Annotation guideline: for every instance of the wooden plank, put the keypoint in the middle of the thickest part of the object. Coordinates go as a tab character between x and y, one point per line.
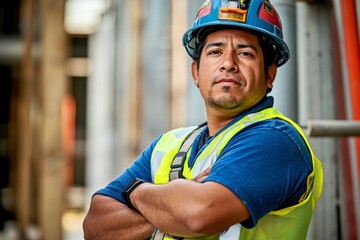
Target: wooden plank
179	64
135	75
23	124
53	86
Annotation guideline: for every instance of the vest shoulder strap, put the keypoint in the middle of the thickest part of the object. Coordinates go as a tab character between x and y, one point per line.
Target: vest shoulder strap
177	164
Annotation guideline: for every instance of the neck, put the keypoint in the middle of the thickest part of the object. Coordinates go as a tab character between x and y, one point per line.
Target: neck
218	118
216	122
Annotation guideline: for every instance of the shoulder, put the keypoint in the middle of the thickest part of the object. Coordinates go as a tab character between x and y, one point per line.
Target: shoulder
273	135
273	124
269	139
173	138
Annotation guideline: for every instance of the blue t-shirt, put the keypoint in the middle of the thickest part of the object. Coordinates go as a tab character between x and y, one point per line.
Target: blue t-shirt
265	164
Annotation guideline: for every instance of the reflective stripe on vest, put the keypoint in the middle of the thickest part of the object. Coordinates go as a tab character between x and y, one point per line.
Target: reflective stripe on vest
288	223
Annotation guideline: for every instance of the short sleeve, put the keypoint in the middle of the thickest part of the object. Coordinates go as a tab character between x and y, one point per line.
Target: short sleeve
139	168
266	166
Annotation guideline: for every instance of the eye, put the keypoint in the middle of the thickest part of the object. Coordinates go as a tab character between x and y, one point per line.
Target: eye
214	52
246	54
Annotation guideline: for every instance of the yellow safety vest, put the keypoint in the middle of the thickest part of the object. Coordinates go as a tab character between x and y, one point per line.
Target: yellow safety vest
290	223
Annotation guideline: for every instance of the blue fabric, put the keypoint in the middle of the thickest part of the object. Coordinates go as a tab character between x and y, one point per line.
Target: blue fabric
269	179
265	165
139	168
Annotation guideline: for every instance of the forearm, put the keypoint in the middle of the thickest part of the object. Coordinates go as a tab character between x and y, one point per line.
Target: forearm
178	208
110	219
158	204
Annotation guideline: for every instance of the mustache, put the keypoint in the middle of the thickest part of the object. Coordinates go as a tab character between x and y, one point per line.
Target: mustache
229	79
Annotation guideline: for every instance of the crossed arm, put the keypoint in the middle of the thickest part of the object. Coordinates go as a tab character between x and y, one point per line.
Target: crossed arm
181	208
110	219
189	209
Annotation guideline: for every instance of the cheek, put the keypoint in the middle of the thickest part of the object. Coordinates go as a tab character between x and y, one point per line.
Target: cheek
204	75
258	72
256	81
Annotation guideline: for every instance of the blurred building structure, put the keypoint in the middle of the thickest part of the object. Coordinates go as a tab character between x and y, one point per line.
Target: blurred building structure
78	103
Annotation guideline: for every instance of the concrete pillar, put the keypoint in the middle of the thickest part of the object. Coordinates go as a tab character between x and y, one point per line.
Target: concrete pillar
285	86
195	104
100	107
316	101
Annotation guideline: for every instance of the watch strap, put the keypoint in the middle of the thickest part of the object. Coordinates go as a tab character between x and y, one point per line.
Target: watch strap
129	188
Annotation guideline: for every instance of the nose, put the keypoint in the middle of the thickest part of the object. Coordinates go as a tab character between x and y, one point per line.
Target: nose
229	62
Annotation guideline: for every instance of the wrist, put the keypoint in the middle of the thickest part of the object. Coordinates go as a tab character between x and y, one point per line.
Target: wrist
129	189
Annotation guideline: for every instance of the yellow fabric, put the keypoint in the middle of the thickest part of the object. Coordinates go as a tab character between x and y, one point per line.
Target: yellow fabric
215	237
288	223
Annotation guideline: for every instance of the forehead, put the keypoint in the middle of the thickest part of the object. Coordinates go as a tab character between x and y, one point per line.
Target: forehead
234	34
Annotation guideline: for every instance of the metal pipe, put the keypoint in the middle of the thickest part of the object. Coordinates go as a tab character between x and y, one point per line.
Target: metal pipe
350	207
352	52
333	128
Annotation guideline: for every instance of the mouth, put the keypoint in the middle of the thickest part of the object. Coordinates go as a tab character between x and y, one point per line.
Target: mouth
228	81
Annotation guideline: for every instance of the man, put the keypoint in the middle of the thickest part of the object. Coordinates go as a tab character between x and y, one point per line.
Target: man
248	173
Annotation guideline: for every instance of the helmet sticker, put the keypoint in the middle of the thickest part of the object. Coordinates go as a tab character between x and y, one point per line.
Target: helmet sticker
268	7
268	13
235	10
204	10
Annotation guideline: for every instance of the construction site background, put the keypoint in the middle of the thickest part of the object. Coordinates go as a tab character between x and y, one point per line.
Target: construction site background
85	85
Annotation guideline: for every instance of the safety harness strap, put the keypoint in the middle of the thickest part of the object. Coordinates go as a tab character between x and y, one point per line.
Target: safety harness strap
177	167
177	164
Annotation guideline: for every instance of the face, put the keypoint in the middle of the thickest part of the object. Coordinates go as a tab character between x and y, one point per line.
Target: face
231	74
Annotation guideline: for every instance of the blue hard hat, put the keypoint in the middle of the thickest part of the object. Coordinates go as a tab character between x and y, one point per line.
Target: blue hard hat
258	16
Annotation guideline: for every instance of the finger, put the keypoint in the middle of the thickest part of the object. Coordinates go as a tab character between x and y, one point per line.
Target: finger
202	175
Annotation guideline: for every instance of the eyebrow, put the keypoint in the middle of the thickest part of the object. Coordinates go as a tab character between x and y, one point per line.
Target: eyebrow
241	46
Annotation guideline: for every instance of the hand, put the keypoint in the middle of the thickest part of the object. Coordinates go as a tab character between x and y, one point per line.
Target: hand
201	177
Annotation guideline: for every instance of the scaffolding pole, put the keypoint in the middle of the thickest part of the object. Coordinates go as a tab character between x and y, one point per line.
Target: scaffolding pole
333	128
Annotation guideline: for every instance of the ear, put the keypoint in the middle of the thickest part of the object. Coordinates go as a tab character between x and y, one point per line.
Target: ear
271	76
195	73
